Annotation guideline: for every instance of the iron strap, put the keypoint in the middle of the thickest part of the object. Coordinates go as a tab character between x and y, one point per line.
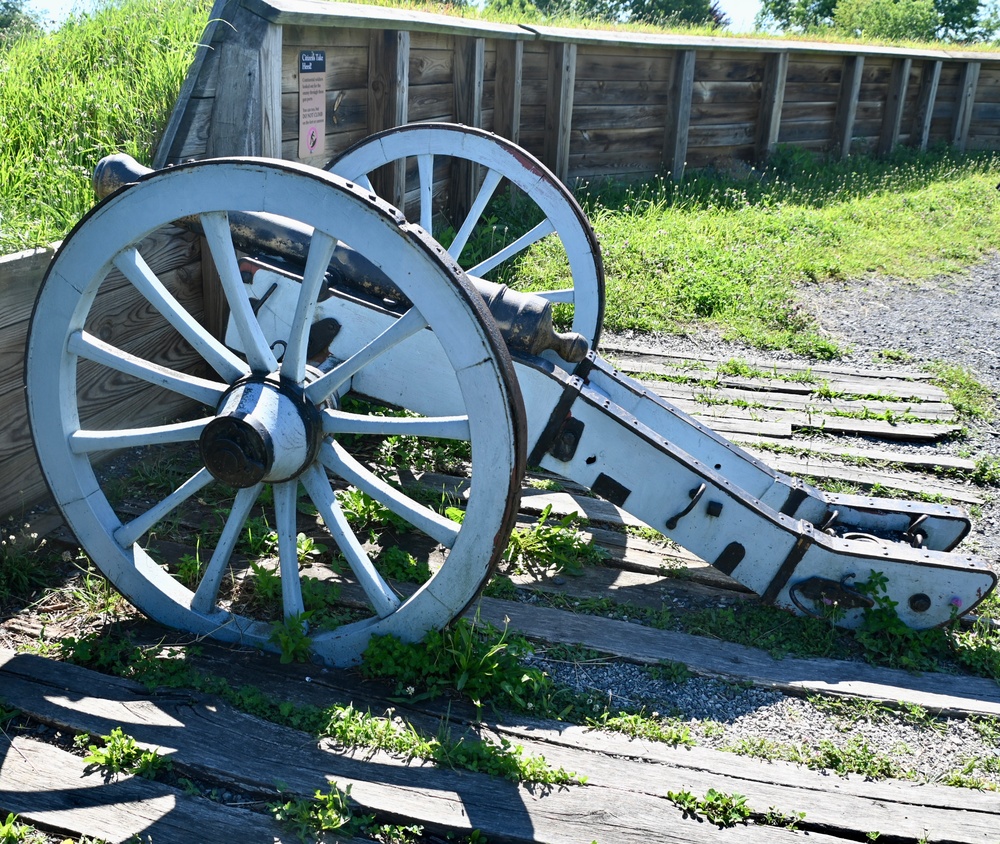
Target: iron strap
559	413
787	568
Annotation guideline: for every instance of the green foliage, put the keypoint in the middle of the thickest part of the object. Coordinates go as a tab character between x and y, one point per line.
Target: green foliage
886	640
12	831
395	563
730	250
717	807
476	661
856	756
651	727
887	20
291	637
325	812
970	398
545	545
365	513
119	753
22	562
102	82
776	631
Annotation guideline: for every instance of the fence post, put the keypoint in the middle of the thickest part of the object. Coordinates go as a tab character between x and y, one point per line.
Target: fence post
772	100
470	59
559	107
507	97
388	92
930	76
962	118
892	117
679	114
847	105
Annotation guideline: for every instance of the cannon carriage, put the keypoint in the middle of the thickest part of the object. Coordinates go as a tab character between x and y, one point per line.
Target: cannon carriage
332	294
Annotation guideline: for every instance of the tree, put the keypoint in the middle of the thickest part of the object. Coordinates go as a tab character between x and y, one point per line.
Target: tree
659	12
15	22
888	20
795	15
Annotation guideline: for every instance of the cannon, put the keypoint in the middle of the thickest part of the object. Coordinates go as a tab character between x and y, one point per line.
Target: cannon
333	295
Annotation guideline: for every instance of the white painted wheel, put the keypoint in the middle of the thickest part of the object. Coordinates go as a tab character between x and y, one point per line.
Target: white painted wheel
430	144
260	424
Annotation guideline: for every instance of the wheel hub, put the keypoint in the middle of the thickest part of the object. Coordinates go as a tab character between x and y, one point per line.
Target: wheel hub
263	431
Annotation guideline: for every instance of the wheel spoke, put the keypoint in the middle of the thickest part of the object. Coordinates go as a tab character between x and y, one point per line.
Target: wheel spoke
485	194
382	598
85	441
208	590
424	519
224	362
425	174
523	242
126	535
406	326
293	365
215	225
565	296
90	347
439	427
284	514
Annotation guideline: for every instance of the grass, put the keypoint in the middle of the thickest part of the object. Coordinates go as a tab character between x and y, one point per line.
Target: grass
99	84
731	251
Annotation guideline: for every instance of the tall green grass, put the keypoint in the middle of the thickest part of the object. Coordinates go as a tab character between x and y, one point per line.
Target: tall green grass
101	83
734	250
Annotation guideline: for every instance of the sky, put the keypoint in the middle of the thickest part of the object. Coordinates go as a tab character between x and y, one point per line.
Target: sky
740	12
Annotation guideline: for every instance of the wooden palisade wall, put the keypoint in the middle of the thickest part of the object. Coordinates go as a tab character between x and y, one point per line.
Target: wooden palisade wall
589	104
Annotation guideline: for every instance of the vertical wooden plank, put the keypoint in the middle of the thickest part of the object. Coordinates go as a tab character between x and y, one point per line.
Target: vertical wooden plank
270	93
559	107
470	61
675	136
847	105
469	67
930	76
892	117
388	93
237	126
962	117
507	104
169	143
772	99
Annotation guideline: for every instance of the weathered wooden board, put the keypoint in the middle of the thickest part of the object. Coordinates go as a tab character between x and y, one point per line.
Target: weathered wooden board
214	741
52	788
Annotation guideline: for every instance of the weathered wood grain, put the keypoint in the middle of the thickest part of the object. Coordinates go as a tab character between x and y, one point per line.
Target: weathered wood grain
56	790
213	740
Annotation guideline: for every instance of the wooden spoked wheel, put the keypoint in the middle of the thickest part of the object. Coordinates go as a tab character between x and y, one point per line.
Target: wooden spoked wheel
479	245
266	433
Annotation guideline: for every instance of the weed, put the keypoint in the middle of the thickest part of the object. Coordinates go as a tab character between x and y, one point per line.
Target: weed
669	671
474	660
970	398
558	545
22	562
121	754
190	568
775	817
396	564
291	637
365	513
12	831
895	355
886	640
323	813
723	810
652	727
501	586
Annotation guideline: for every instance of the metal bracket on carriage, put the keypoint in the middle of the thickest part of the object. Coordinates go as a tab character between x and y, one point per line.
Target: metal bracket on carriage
524	320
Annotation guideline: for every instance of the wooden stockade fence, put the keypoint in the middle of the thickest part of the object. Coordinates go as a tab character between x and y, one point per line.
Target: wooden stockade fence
590	104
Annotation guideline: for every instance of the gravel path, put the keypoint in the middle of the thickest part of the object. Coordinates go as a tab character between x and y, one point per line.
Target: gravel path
955	319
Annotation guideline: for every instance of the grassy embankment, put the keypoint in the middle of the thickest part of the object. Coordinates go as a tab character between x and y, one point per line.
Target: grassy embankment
729	249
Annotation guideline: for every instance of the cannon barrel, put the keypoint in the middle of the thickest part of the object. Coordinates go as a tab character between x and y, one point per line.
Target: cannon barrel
524	320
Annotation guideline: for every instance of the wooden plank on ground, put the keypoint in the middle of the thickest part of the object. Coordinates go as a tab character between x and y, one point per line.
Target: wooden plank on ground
924	459
836	805
612	349
805	465
52	788
212	740
973	695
